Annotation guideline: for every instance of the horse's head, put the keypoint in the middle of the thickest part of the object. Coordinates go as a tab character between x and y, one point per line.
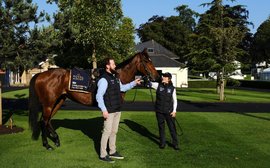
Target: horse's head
146	67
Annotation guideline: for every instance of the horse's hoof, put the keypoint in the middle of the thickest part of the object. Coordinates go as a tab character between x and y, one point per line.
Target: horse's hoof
48	147
57	144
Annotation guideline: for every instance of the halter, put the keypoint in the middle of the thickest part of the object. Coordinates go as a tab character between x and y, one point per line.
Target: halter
142	63
146	77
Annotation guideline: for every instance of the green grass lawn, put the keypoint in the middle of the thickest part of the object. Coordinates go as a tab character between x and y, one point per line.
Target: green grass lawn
228	140
205	95
184	94
17	94
231	95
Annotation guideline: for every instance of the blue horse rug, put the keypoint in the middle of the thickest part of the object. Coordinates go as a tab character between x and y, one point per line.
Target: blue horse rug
80	80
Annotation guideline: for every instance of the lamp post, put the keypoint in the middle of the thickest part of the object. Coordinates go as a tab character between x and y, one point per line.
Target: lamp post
1	46
0	104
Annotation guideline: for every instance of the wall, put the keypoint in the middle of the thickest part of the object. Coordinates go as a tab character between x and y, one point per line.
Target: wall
24	79
179	76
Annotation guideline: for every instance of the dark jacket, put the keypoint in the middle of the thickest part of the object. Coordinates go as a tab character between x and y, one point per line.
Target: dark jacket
112	96
164	98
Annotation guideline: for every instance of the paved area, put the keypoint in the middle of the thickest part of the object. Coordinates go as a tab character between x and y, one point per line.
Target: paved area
22	104
184	107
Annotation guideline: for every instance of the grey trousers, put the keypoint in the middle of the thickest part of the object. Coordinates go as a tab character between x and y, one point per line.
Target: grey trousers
110	129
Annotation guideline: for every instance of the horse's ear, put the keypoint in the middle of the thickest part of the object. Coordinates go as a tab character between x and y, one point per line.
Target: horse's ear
145	51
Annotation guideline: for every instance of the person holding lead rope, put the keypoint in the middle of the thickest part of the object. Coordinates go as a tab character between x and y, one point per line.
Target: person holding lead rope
165	108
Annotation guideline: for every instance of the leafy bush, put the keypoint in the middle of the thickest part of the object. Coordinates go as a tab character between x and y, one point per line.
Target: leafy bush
232	82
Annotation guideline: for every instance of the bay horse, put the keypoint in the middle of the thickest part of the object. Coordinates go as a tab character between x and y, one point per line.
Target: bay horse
48	90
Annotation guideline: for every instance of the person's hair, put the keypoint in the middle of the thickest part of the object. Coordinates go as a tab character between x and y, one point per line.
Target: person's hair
170	81
107	61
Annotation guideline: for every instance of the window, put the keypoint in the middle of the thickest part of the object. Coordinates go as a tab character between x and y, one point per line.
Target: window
150	50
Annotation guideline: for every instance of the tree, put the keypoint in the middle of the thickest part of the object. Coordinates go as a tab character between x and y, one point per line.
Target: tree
43	43
69	52
187	16
218	35
124	44
261	44
90	31
152	29
15	18
166	31
172	32
95	25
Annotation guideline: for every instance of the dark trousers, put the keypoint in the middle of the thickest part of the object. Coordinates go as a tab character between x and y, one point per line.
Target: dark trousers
161	118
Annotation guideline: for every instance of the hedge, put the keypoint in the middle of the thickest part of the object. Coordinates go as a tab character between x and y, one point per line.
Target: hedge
201	83
235	83
255	84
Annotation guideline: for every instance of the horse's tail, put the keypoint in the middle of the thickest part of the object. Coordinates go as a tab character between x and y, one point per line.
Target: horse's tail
34	108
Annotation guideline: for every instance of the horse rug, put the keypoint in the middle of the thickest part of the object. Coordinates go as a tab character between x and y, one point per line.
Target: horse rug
80	80
84	80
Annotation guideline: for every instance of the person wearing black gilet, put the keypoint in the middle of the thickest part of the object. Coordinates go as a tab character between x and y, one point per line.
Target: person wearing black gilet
165	107
109	101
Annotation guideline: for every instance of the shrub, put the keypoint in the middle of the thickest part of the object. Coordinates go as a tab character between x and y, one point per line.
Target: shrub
202	84
232	82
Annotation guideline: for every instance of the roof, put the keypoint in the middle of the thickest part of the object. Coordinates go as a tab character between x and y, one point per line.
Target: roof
161	60
158	49
161	57
267	70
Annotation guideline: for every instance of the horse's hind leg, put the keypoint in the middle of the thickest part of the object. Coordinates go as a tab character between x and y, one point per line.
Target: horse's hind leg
44	133
46	129
52	133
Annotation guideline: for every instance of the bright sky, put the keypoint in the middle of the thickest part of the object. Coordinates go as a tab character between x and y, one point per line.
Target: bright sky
141	10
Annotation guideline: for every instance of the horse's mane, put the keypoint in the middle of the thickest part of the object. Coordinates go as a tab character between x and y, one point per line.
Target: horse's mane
124	63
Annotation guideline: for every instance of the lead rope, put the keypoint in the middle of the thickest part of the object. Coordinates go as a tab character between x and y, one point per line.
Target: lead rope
180	128
133	100
135	94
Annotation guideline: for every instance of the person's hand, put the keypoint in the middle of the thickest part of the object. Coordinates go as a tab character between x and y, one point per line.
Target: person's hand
173	114
105	114
138	81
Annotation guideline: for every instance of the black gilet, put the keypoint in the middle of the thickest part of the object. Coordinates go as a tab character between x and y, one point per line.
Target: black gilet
112	96
164	98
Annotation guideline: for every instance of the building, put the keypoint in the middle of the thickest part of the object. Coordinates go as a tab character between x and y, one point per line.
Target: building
11	78
165	61
265	75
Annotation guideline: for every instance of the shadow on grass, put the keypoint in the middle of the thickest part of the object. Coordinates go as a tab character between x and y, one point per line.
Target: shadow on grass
90	127
93	127
15	104
142	130
20	96
254	116
7	114
200	106
201	91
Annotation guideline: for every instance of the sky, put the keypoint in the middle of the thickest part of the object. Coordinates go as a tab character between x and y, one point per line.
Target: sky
142	10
